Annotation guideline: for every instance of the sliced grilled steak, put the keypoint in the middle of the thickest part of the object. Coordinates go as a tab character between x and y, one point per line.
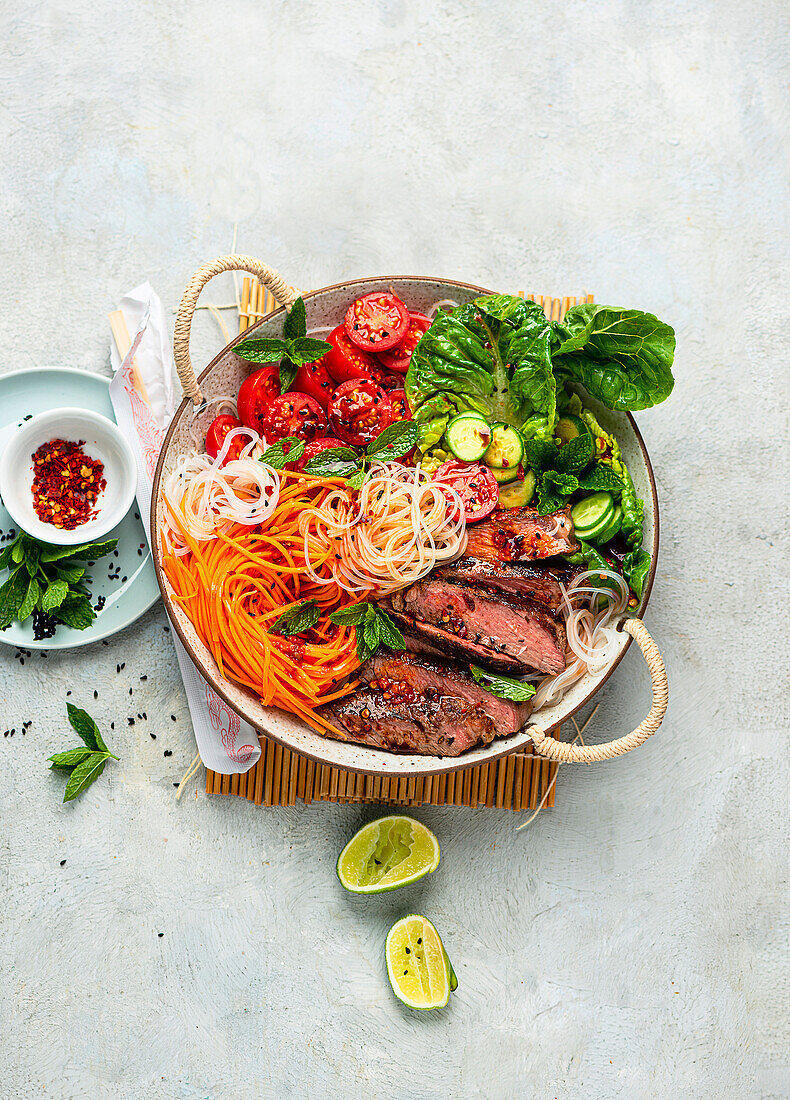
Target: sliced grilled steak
520	534
422	637
499	625
407	721
399	673
540	583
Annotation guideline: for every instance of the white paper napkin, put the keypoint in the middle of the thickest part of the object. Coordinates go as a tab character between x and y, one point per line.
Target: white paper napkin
226	743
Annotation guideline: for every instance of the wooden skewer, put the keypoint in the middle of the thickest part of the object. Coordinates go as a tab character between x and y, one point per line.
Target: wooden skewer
123	342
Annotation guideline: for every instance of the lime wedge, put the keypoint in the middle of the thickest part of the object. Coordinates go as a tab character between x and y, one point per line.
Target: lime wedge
417	964
386	854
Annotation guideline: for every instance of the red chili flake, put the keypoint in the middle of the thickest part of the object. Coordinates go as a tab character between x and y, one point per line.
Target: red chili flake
66	484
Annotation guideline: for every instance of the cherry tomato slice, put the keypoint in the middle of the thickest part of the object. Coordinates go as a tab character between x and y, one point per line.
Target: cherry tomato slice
314	380
475	484
387	379
400	405
315	447
359	411
256	394
215	437
377	321
345	360
399	357
294	414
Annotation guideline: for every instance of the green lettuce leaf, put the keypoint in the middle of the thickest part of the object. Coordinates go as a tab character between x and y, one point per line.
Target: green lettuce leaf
621	356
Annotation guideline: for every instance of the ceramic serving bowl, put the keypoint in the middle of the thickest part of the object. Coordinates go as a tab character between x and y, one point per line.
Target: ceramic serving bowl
101	439
223	376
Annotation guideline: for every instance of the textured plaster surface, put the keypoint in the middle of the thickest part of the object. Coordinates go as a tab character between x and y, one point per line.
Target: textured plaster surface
628	944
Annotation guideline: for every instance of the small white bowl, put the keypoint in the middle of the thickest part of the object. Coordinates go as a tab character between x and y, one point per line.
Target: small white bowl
103	440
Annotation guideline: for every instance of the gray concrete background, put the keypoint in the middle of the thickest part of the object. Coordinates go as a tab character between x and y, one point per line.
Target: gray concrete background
627	944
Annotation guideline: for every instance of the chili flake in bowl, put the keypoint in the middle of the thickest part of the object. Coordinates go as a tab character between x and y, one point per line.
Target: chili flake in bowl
67	476
66	483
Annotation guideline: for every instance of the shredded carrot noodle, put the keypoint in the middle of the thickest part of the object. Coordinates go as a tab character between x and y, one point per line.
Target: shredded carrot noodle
400	526
235	585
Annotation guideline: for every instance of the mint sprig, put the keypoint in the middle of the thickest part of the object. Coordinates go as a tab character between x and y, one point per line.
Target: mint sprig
505	687
394	442
297	619
373	628
48	579
293	350
84	765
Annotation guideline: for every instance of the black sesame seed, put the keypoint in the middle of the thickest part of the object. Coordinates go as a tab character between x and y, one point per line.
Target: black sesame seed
63	863
168	752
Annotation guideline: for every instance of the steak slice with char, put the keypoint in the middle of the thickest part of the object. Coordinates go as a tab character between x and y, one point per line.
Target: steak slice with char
540	583
422	637
490	626
520	534
444	727
398	673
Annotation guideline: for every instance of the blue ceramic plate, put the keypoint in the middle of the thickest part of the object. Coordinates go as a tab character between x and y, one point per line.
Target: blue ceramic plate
127	582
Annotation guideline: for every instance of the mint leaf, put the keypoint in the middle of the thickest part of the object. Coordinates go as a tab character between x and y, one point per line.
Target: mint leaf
18	550
87	551
86	728
636	566
599	478
29	602
296	619
505	687
390	635
295	324
307	350
12	593
349	616
394	442
260	350
71	574
55	594
356	480
76	611
84	774
5	556
32	554
65	761
288	449
288	371
333	462
575	454
539	455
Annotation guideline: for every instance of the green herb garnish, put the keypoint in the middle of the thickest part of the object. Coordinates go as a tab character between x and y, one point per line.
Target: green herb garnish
48	579
373	628
293	350
503	686
289	449
393	442
296	619
84	765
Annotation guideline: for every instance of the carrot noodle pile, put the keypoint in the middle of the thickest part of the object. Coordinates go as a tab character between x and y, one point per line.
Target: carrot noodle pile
398	528
590	614
234	585
208	497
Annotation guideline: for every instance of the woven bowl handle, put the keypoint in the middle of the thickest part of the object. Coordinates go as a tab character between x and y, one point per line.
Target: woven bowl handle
286	295
590	754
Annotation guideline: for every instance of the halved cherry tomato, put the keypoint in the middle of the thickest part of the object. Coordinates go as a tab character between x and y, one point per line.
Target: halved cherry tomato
215	437
475	484
377	321
294	414
359	410
399	357
315	447
387	379
345	360
313	379
256	394
400	406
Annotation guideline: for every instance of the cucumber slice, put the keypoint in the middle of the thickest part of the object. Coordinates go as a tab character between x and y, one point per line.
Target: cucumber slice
593	514
468	436
506	449
610	530
506	475
569	427
519	493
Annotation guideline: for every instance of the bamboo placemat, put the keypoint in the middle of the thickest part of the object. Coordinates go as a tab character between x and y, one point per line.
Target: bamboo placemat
516	782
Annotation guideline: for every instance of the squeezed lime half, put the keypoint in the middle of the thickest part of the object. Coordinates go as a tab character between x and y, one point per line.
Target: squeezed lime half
419	971
387	854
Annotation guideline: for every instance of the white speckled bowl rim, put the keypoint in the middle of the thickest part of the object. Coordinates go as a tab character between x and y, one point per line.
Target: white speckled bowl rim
224	375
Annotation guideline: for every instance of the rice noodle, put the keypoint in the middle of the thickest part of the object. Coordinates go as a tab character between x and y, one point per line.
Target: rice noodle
589	614
400	526
431	313
207	496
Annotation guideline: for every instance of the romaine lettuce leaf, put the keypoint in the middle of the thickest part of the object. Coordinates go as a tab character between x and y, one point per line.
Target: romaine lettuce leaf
491	355
621	356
